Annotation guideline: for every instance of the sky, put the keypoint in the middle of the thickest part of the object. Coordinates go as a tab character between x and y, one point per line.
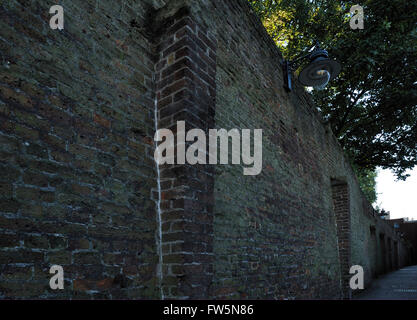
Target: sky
398	197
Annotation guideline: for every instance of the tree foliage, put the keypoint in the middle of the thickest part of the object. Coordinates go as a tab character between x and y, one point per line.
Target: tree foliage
367	182
372	104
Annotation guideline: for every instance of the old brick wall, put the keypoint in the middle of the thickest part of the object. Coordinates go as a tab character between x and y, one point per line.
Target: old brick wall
77	169
79	182
280	234
275	233
186	89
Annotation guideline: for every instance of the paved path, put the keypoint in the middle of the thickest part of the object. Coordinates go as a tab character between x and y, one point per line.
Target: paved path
397	285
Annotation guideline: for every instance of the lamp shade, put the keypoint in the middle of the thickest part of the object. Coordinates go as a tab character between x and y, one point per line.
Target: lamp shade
319	71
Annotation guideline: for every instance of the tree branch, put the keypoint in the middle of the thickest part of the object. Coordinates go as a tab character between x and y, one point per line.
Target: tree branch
342	122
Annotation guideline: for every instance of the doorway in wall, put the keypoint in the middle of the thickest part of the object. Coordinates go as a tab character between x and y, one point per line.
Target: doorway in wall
383	251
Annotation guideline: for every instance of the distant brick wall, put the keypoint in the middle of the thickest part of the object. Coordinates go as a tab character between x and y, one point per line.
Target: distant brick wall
409	230
79	181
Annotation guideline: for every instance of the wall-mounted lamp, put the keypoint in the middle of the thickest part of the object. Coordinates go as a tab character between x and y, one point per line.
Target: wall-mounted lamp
316	74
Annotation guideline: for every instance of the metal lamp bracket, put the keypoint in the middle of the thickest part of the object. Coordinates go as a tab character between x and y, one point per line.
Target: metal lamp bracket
288	67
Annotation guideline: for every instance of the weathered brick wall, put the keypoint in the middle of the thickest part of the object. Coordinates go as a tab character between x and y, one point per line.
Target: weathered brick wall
278	234
79	182
77	169
275	234
186	90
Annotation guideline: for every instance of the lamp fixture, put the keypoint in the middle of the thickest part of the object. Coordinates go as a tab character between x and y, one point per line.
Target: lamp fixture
317	73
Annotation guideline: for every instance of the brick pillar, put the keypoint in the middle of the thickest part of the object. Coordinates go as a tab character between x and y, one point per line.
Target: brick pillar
185	78
341	204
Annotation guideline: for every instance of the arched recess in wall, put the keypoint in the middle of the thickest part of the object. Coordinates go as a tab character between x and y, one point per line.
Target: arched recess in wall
383	254
390	254
395	255
374	249
341	207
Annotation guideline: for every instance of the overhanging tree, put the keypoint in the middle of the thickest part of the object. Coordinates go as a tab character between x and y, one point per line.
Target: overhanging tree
372	105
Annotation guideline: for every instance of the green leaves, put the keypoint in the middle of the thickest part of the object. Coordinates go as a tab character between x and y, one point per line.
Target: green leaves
372	105
367	181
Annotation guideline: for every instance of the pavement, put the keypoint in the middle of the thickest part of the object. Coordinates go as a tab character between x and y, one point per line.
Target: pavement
396	285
